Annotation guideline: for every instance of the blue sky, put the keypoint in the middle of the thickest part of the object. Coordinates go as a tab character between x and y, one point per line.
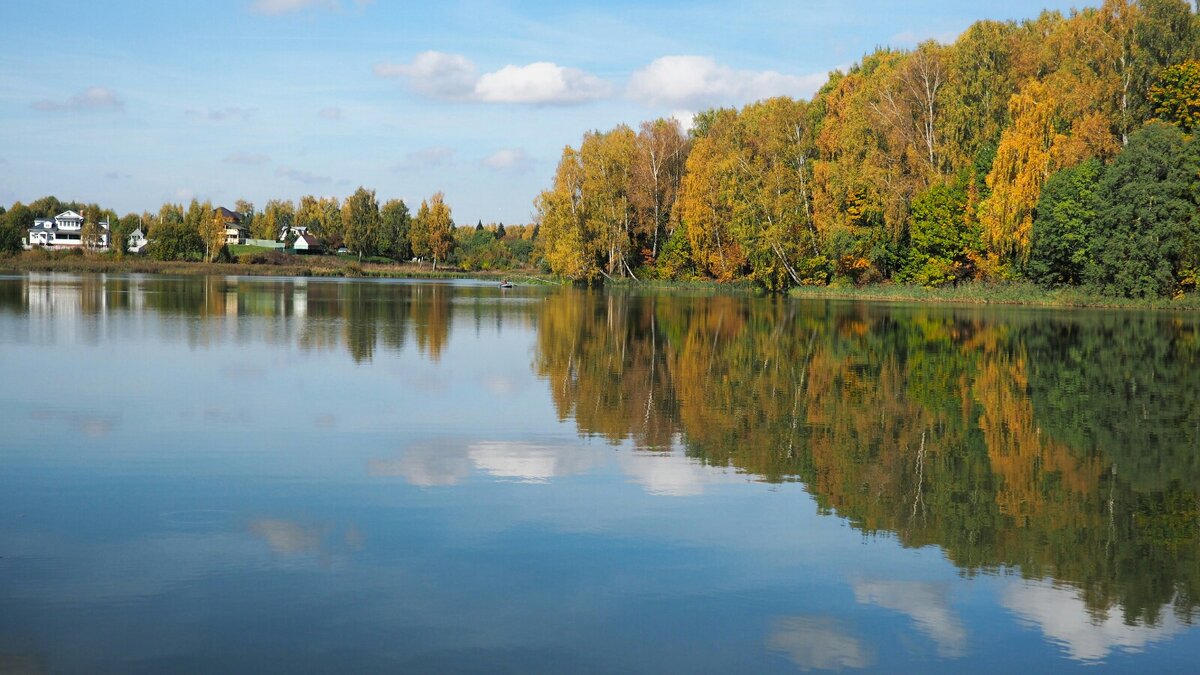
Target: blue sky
131	104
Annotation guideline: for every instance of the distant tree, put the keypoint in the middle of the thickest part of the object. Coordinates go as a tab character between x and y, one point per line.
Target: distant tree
14	226
1022	162
1176	97
195	216
278	216
90	233
212	232
174	241
479	226
169	214
943	240
119	231
500	231
46	207
418	231
440	228
245	208
1064	226
1146	216
396	221
361	222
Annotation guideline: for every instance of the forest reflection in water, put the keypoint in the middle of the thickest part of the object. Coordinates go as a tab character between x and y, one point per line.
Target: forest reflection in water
1063	445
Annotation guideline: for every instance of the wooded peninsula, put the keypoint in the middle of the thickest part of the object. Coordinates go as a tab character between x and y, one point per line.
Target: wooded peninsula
1056	151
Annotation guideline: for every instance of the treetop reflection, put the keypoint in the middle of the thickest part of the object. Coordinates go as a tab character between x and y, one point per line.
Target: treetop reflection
1063	445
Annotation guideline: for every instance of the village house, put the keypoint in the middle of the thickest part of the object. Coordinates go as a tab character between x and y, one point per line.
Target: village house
137	241
292	232
306	243
63	231
235	231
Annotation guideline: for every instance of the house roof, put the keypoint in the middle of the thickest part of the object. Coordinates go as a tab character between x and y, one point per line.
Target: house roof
68	215
231	215
308	239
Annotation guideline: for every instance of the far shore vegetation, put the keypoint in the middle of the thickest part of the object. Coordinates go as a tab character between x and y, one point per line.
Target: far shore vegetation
1050	161
253	261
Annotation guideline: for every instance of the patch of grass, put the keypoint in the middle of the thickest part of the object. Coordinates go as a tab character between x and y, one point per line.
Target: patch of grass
238	250
982	293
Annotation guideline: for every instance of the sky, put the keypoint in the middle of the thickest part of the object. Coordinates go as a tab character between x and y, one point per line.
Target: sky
133	104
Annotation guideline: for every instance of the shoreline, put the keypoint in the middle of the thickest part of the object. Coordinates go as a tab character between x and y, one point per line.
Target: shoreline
315	266
1014	294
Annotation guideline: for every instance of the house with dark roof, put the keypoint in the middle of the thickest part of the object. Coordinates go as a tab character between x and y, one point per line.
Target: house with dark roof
306	243
63	231
235	231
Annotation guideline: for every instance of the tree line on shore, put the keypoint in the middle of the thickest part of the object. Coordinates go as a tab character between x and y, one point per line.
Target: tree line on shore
359	223
1056	149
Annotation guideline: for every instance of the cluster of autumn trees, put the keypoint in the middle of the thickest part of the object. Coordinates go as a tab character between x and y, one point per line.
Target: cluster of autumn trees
943	427
927	166
359	223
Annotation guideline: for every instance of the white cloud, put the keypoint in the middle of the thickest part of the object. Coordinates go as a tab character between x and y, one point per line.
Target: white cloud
435	74
671	475
454	77
926	603
92	98
301	176
250	158
685	118
540	83
818	642
699	82
332	113
510	159
426	464
1065	620
530	462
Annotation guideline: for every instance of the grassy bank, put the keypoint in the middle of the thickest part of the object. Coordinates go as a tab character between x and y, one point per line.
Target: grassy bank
271	263
980	293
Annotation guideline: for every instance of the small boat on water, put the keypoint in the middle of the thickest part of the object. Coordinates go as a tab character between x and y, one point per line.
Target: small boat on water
506	284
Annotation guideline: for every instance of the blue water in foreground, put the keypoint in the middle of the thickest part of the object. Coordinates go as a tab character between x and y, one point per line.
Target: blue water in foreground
264	475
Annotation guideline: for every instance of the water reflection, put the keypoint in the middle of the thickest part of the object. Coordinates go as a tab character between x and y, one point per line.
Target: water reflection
313	314
813	642
1063	446
1058	451
925	603
1085	634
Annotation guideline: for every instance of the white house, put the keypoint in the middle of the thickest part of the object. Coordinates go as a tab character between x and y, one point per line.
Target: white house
137	241
292	232
235	231
64	231
306	243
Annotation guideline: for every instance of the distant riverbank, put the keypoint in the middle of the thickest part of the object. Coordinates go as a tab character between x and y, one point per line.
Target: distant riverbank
283	265
981	293
280	264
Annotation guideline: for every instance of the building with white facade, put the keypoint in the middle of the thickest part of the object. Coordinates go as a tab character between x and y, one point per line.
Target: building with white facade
63	231
137	241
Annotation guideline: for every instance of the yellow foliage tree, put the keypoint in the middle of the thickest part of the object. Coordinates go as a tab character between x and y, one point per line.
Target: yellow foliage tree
1022	164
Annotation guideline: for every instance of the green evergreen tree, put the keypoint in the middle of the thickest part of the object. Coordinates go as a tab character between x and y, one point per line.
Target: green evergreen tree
1146	215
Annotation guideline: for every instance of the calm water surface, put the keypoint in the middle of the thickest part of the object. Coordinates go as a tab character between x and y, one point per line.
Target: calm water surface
235	474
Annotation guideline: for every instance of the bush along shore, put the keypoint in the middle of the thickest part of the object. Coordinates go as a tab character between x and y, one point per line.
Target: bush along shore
274	263
289	265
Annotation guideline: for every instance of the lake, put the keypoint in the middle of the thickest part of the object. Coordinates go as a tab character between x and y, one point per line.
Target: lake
299	475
